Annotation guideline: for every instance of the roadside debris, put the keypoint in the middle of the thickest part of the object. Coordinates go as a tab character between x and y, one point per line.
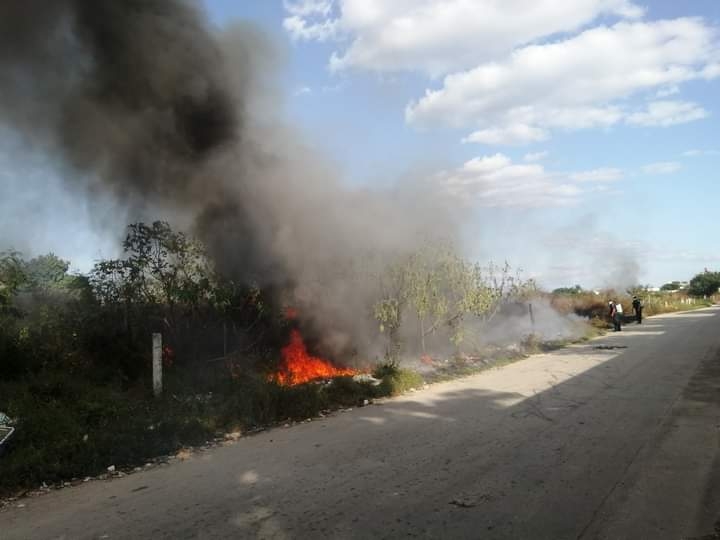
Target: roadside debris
464	502
470	501
6	430
365	377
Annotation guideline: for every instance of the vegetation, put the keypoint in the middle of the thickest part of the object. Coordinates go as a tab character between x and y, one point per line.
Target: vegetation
568	290
594	306
672	286
76	367
704	284
75	371
72	429
442	292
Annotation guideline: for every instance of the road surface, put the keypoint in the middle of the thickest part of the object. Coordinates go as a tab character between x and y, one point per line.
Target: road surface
587	442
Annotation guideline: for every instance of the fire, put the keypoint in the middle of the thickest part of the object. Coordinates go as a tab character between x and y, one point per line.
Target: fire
298	366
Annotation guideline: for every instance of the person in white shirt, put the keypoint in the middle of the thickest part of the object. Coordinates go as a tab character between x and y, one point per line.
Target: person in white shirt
618	316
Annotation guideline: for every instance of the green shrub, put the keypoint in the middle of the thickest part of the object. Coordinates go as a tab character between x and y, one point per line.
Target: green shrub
396	380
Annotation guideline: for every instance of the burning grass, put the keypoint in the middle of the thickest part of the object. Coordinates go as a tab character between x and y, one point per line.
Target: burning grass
298	366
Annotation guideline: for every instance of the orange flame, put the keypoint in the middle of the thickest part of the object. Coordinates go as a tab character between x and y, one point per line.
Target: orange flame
298	366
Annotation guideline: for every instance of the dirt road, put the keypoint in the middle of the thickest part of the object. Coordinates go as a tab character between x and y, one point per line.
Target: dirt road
587	442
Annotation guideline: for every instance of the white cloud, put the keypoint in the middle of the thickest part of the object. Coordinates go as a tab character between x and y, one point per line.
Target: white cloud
439	36
496	181
535	156
605	174
300	29
662	167
696	153
305	8
301	23
668	91
577	83
512	134
668	113
303	91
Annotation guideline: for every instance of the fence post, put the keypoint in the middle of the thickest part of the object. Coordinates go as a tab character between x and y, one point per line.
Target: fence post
157	364
532	316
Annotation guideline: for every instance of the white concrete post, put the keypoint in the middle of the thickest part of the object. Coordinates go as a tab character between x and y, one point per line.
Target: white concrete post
157	364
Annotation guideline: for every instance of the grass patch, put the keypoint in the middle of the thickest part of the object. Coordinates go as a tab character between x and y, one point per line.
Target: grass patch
68	429
396	380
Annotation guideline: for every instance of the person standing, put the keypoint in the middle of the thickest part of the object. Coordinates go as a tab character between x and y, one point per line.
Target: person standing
612	313
637	308
619	316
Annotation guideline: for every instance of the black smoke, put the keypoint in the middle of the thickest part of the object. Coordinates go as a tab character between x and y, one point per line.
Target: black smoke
133	89
144	102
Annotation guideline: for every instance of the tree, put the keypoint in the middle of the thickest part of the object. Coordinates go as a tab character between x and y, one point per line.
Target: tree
577	289
162	267
704	284
165	282
672	286
440	289
47	272
12	276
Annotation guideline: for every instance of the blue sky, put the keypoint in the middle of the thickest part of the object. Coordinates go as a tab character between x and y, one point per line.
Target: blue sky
594	132
580	138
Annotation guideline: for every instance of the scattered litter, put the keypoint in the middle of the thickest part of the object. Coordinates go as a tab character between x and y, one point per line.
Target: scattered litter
111	469
6	429
367	378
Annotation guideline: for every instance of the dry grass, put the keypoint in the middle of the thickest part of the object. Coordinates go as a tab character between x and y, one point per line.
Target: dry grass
594	307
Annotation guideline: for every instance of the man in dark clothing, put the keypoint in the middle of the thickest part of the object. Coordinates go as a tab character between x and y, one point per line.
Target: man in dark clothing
614	315
637	307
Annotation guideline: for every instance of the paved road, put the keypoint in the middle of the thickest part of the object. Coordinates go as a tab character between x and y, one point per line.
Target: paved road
586	442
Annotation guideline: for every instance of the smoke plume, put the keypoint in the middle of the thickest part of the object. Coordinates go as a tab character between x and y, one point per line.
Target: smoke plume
143	102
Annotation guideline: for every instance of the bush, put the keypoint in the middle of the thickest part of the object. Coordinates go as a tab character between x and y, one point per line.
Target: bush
705	284
68	429
395	380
